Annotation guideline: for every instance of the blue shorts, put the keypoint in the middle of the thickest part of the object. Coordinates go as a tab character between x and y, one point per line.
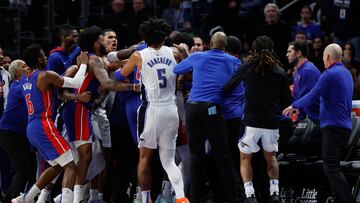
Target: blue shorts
77	119
43	135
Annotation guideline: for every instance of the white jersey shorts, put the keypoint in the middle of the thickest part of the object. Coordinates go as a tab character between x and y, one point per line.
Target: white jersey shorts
160	126
269	140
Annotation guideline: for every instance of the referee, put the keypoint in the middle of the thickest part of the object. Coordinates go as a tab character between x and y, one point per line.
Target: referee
204	120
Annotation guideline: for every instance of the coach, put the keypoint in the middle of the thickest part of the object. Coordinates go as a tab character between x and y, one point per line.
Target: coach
335	88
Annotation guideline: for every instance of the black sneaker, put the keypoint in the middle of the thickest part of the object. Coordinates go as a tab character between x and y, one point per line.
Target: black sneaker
274	198
251	199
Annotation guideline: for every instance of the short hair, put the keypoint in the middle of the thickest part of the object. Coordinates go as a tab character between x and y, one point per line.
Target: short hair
62	30
31	55
154	31
183	38
233	44
14	66
308	7
271	5
300	46
107	30
88	37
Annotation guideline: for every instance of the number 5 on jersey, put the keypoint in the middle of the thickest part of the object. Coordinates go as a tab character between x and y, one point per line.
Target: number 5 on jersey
161	73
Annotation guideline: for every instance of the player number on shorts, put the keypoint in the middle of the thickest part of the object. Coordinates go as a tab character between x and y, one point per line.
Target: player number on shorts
162	77
29	104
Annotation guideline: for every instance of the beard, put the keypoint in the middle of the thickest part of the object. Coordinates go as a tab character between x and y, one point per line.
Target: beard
102	50
294	63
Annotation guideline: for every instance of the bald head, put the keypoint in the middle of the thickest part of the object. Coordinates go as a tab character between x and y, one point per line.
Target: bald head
332	54
218	41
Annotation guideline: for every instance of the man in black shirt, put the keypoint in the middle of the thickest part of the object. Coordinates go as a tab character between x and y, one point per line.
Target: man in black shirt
266	93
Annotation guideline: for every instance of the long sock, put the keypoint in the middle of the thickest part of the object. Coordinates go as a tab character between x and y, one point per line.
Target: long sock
174	174
35	190
249	189
67	196
94	194
274	186
145	196
166	189
44	195
78	193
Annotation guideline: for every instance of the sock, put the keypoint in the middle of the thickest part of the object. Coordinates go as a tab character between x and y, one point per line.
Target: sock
249	189
101	195
44	195
67	196
35	190
94	194
274	186
78	193
166	189
145	196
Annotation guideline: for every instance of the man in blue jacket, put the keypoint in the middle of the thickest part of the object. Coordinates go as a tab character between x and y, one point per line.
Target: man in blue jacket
204	119
335	88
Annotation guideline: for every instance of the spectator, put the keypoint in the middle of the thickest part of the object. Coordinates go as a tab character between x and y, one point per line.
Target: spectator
311	29
177	15
138	15
344	16
353	66
316	54
118	21
276	29
6	61
300	37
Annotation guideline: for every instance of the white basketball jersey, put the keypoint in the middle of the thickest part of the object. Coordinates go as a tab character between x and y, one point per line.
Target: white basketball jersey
157	75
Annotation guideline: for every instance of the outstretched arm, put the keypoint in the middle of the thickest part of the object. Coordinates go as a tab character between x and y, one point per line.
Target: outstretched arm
237	77
134	60
107	84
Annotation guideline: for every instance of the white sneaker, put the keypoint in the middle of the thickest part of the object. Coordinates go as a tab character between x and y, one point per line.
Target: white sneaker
57	199
20	199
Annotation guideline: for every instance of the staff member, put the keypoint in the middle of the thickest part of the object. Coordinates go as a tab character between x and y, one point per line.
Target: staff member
211	70
335	88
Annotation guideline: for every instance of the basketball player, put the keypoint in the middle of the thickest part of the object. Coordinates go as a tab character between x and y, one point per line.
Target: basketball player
77	114
155	65
41	132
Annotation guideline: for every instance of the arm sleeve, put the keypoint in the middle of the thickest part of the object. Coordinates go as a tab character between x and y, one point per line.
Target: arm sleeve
184	66
78	79
311	97
118	76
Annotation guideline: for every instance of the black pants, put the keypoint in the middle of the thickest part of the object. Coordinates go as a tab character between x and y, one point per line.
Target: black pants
201	126
235	131
23	159
334	140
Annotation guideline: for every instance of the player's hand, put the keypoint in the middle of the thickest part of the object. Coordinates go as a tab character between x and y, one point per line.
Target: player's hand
290	110
83	58
137	88
183	48
84	97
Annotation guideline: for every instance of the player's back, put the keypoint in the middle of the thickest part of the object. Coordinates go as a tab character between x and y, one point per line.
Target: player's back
157	75
39	103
